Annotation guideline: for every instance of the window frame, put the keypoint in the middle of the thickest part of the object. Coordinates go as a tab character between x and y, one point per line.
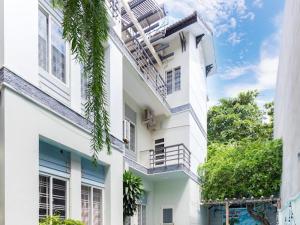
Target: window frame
176	69
172	73
91	189
51	177
54	16
135	137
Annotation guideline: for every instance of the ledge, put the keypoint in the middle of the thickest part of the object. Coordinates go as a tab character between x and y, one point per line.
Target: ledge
164	169
39	97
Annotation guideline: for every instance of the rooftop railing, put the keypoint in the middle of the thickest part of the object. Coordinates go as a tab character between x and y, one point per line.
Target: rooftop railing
137	51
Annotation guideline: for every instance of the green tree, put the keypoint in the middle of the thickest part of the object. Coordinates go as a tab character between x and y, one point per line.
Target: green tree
85	27
243	160
235	119
132	192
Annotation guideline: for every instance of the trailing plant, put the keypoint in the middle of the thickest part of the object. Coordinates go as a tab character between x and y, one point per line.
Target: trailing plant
56	220
132	192
85	27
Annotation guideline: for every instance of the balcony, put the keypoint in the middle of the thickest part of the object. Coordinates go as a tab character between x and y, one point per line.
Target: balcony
167	158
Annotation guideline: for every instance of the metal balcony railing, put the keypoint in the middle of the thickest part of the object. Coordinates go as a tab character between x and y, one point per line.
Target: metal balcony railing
170	155
134	45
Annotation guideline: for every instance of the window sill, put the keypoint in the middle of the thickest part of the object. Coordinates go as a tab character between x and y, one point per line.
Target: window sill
54	87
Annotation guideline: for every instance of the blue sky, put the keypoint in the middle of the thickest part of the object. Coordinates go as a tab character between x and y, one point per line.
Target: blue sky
247	34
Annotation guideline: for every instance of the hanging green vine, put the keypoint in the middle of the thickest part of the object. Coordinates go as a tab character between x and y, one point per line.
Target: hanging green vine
85	27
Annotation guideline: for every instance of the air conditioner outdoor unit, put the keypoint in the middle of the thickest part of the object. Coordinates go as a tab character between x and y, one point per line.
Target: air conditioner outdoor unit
126	131
149	119
148	115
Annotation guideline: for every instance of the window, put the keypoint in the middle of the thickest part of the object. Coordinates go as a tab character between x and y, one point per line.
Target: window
43	40
91	205
130	145
173	80
84	86
159	152
51	46
130	122
52	197
141	214
169	82
177	79
167	216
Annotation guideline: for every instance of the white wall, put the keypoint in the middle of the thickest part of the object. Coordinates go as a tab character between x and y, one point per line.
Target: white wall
21	38
22	163
179	59
115	95
287	107
175	194
197	81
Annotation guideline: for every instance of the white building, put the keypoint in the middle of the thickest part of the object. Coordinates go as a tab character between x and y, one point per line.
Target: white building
287	113
45	155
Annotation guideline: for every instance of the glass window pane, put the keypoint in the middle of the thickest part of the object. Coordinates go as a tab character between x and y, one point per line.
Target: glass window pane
59	193
58	51
84	86
177	79
168	215
132	137
169	82
43	40
44	203
143	215
86	205
97	207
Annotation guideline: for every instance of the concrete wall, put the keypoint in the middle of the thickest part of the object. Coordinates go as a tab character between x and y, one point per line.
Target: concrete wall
180	58
287	107
21	166
176	197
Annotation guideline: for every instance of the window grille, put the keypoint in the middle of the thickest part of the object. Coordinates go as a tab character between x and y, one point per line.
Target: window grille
44	197
52	197
167	216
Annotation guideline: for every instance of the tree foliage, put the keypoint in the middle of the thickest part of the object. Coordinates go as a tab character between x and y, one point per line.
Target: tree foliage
132	192
243	160
85	27
245	169
238	118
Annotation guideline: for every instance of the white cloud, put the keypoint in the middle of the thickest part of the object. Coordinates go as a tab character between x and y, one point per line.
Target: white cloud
264	71
220	15
235	38
258	3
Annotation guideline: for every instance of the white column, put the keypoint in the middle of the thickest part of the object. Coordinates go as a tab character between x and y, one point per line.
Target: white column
75	188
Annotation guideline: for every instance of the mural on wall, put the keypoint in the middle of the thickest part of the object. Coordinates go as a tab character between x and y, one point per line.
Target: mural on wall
238	216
